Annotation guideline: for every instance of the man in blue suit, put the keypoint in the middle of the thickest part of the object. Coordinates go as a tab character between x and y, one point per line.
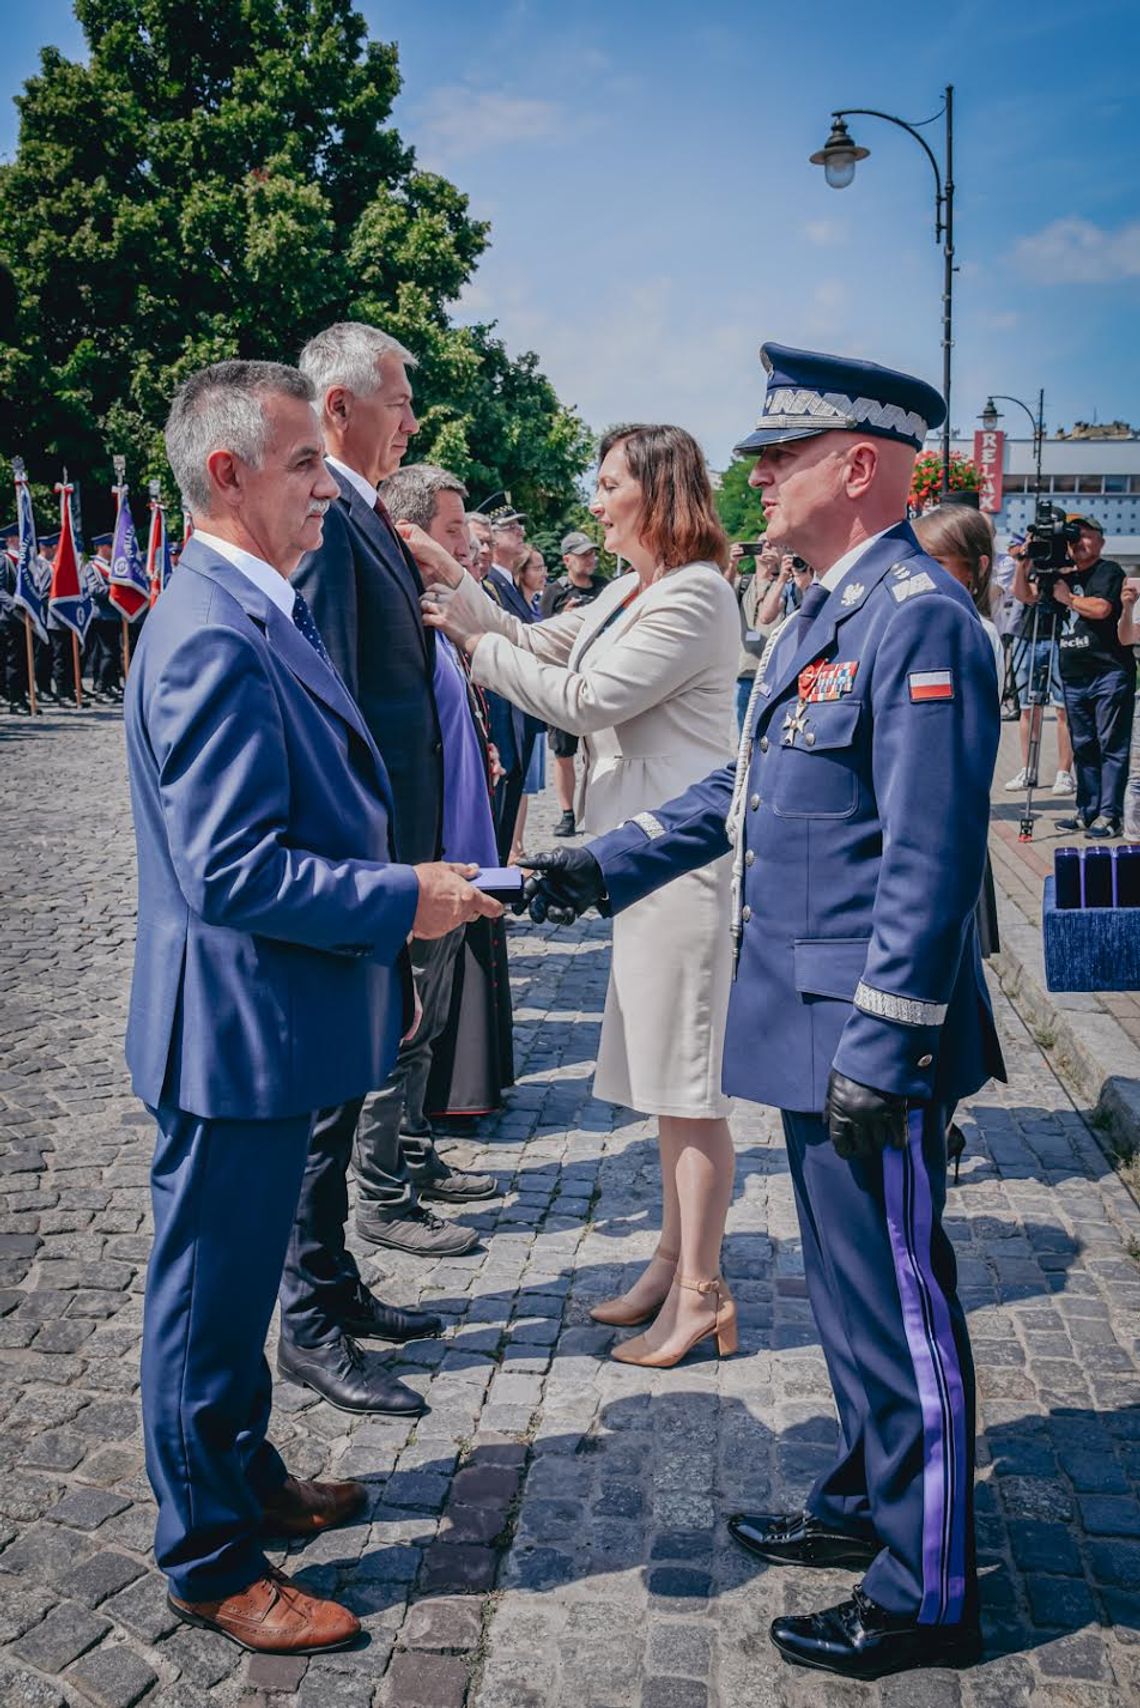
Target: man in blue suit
270	979
513	731
858	811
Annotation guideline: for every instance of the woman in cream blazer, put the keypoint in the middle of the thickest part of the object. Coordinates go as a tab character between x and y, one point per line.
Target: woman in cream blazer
645	675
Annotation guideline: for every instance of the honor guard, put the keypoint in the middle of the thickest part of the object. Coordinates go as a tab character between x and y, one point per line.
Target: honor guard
13	680
55	673
857	812
104	642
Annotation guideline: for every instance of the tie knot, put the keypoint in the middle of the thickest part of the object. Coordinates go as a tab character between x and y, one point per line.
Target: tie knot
813	598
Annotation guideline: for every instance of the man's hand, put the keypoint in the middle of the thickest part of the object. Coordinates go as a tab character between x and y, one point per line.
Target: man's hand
567	881
448	900
862	1121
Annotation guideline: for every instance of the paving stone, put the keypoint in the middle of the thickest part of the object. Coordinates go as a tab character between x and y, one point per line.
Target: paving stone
277	1672
87	1509
446	1622
22	1689
67	1631
426	1681
101	1576
113	1676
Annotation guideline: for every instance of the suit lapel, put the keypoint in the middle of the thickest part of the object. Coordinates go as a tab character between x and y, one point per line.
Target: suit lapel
849	597
387	546
288	643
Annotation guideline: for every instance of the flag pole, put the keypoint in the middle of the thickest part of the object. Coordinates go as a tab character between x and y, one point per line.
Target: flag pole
77	670
120	491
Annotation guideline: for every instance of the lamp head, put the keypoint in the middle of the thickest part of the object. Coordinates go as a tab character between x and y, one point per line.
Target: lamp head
839	155
990	415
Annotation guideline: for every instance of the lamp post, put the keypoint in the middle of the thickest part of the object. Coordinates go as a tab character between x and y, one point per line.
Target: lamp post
839	157
991	415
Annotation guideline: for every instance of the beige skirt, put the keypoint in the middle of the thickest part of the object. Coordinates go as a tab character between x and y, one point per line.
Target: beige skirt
663	1032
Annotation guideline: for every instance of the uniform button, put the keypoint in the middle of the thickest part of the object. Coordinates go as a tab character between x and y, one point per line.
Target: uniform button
746	913
750	857
763	744
925	1061
754	802
809	738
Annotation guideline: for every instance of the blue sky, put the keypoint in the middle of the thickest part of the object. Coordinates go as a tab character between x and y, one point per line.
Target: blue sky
655	218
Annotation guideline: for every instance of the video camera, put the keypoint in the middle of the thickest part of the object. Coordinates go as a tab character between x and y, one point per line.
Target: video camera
1047	541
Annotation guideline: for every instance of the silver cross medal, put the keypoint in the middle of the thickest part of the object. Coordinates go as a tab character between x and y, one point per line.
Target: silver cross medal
794	724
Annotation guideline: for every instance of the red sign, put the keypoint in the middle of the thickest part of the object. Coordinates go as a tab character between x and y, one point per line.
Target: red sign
989	455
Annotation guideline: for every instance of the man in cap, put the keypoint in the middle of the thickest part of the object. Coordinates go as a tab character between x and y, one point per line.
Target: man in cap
513	731
578	586
858	815
104	637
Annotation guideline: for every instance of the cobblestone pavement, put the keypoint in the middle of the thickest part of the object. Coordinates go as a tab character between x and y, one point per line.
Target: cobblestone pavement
551	1532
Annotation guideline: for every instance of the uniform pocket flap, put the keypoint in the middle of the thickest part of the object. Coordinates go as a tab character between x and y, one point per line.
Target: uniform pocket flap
832	725
830	966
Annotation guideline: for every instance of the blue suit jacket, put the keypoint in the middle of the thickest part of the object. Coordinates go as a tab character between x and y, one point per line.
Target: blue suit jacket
865	837
272	922
364	590
510	726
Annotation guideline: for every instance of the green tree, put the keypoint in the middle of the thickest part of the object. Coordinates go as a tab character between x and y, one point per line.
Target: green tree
220	179
738	504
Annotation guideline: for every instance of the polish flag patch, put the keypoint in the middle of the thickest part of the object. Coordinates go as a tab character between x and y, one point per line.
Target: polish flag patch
931	685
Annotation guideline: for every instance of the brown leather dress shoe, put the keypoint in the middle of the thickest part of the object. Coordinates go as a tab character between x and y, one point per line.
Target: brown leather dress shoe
273	1617
301	1509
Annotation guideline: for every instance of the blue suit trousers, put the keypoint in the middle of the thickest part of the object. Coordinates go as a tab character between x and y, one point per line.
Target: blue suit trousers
1100	723
882	1282
224	1194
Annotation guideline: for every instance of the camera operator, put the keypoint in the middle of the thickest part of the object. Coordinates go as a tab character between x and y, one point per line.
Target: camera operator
1036	673
785	594
1098	676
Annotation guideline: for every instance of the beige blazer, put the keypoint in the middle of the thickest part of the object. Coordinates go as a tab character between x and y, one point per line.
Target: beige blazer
651	697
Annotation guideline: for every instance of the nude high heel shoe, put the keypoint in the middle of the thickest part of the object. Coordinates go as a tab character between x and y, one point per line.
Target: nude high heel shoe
723	1326
615	1314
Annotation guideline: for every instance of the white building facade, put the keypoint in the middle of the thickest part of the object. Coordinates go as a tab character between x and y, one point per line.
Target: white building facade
1098	477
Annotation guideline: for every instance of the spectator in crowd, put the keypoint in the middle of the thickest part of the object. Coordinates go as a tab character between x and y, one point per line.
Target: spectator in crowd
482	550
645	675
750	591
1037	676
1098	675
577	585
1129	632
364	590
962	541
785	593
512	731
531	583
1006	617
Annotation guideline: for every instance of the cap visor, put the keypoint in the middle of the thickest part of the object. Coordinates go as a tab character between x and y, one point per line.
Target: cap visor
762	436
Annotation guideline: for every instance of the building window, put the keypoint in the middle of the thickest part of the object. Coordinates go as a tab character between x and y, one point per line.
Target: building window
1134	483
1116	483
1091	483
1064	483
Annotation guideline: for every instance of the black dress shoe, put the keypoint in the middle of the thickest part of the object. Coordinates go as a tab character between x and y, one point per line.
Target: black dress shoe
369	1318
458	1186
860	1639
798	1539
347	1378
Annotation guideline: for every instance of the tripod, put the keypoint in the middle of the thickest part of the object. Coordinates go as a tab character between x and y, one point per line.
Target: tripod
1037	698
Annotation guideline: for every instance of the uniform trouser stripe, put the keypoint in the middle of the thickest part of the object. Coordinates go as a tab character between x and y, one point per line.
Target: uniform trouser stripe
938	1379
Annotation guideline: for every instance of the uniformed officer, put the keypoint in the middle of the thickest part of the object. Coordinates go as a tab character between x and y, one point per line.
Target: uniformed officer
858	811
13	667
53	655
104	643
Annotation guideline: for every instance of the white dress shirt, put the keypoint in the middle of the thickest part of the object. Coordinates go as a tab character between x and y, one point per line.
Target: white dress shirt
848	561
255	569
365	487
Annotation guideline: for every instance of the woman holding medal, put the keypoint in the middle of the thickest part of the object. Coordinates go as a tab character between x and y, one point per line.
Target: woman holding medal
645	675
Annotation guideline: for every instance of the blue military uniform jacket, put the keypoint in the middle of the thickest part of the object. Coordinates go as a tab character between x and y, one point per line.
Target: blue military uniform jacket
865	821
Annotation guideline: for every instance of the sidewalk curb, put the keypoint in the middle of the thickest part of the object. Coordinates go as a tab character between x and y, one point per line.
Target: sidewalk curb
1086	1045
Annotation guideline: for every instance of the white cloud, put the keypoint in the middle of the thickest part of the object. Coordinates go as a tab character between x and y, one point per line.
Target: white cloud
825	233
457	120
1074	251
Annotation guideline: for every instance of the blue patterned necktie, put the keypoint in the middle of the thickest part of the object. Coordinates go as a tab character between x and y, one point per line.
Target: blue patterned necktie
815	596
303	618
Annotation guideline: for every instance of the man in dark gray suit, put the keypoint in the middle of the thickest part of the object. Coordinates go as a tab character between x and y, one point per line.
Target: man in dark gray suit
364	591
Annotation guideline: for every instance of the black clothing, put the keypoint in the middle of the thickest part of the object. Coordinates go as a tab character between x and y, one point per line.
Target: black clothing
1088	645
562	595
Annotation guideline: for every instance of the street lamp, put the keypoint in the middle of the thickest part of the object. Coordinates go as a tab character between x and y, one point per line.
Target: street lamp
991	415
839	157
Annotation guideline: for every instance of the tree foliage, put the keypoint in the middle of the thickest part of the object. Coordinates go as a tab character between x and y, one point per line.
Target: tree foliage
220	179
738	504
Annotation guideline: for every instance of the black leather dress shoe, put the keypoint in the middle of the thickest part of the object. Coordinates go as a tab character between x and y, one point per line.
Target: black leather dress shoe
860	1639
798	1539
347	1378
369	1318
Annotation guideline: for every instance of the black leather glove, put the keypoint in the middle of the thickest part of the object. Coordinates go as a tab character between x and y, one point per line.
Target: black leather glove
565	882
860	1120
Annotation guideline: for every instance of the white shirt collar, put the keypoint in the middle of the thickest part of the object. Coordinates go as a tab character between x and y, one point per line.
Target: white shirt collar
365	487
848	561
255	569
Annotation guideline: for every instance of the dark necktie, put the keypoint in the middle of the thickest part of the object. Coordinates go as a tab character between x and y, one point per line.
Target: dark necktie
305	622
815	596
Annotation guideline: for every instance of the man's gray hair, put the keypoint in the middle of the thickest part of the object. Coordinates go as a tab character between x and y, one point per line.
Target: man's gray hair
412	494
221	408
349	354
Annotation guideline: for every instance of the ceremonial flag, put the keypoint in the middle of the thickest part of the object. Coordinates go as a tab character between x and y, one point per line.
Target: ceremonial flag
69	601
157	551
130	589
27	595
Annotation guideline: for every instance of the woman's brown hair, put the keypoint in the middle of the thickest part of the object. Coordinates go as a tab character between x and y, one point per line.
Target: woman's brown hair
679	523
955	530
